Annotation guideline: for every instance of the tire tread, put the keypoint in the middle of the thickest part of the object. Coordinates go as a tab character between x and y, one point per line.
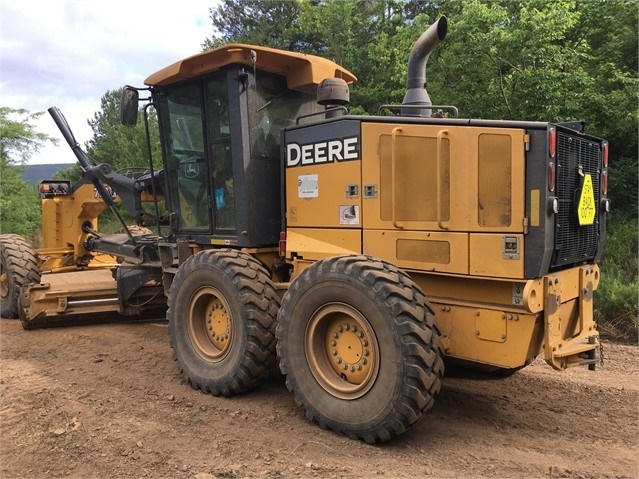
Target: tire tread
260	303
21	263
421	341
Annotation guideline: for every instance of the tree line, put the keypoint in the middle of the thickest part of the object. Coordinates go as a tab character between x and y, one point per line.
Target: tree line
518	60
511	60
552	61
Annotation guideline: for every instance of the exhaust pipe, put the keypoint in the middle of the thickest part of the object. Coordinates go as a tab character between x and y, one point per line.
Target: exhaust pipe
416	93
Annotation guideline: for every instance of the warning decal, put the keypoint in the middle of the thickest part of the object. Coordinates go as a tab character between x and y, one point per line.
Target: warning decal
586	206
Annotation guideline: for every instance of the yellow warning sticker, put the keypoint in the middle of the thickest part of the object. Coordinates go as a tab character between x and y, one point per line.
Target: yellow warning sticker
586	207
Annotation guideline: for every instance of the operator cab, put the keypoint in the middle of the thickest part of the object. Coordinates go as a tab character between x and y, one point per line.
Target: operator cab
220	116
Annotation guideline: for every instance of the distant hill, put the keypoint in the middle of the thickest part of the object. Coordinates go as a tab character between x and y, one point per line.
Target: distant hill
33	174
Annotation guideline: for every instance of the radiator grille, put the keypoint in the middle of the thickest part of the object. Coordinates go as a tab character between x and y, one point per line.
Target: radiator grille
575	156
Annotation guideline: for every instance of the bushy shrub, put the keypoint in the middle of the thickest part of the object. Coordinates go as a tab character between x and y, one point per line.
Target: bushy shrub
617	296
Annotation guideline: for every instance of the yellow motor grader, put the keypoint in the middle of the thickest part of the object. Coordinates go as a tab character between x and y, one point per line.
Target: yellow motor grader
357	252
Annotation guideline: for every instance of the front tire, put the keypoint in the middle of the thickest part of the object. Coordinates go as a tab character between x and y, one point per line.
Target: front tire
359	347
222	311
18	268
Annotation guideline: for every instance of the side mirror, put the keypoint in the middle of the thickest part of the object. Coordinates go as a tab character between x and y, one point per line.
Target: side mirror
129	106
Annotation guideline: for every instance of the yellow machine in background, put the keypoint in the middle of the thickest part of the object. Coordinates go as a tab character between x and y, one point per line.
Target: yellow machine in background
63	216
358	251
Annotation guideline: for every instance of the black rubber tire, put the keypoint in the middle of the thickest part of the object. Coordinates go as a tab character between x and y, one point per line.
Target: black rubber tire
410	364
18	268
238	285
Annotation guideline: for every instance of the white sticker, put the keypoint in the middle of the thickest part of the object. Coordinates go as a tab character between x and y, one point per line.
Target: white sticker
308	186
348	214
518	293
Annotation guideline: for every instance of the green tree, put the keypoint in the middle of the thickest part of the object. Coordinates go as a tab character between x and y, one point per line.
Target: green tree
513	60
261	22
610	30
361	35
124	148
19	203
19	139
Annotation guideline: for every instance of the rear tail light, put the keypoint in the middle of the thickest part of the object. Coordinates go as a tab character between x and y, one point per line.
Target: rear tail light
605	155
552	142
551	176
282	244
604	182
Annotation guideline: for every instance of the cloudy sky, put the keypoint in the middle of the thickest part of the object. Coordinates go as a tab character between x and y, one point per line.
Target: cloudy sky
68	53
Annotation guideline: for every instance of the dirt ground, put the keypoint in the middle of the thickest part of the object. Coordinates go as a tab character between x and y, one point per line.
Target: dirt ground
107	401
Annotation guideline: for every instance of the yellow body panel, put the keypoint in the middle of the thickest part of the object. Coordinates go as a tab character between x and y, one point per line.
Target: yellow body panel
434	178
317	196
312	244
488	337
508	323
426	251
447	204
497	255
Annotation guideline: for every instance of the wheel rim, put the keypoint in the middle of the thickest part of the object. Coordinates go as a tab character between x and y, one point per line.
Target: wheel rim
4	283
209	324
342	351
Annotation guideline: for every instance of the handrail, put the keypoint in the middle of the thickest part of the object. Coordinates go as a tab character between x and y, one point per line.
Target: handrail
396	130
440	135
452	108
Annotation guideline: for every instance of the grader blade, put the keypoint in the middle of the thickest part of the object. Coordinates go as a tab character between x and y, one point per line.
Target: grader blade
85	297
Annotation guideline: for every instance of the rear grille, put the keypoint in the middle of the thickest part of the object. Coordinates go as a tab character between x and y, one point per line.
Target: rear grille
575	243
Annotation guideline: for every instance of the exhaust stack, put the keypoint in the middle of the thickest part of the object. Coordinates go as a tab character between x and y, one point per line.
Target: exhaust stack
416	93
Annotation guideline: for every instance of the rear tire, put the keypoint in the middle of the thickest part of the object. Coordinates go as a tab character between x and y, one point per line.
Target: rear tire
359	347
222	311
18	268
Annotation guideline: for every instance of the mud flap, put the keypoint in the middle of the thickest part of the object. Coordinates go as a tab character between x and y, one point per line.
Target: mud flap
570	336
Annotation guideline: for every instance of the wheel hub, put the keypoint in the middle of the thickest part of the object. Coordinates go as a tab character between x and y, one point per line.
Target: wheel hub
217	324
210	324
347	348
342	351
4	284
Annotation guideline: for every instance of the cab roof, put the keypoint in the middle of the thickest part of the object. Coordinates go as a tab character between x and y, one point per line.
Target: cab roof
302	72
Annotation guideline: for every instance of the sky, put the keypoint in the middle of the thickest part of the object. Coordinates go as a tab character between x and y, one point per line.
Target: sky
69	53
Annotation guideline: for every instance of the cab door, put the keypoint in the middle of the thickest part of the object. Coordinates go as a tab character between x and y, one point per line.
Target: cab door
181	116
